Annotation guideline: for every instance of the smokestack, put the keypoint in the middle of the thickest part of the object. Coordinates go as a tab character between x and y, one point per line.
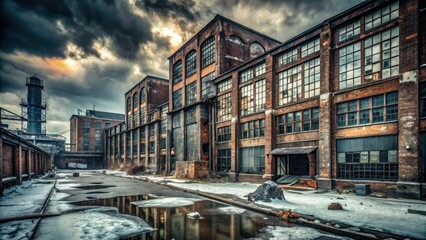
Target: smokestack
36	109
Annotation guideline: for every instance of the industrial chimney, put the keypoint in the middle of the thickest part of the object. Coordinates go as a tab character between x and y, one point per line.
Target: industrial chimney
33	107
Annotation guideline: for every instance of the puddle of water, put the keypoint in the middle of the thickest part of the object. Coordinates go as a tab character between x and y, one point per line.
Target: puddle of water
88	187
98	192
174	223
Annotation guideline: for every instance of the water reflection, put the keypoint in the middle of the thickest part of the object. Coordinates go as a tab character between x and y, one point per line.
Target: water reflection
172	223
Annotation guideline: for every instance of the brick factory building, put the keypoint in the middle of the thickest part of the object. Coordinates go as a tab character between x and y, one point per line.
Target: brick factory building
141	139
87	142
341	103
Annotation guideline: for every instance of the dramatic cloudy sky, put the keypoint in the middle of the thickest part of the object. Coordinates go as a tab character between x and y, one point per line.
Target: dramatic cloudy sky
89	52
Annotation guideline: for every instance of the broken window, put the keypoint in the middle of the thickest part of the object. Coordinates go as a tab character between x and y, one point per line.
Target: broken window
256	49
223	160
381	16
372	158
287	57
253	72
253	129
381	55
191	63
206	85
350	66
224	134
252	160
310	47
349	31
208	52
290	85
177	72
224	107
177	99
381	108
191	93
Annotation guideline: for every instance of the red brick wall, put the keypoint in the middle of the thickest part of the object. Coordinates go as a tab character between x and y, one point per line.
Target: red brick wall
8	163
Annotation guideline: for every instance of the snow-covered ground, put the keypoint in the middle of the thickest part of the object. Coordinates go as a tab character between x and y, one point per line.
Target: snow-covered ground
382	214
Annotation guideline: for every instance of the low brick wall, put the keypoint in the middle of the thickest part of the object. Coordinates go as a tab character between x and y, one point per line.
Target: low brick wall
253	178
389	188
191	169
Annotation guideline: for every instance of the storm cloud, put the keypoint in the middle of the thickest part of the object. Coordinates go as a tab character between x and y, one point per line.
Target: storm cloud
91	52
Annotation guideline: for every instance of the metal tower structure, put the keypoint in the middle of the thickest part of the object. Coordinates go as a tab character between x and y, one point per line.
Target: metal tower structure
33	108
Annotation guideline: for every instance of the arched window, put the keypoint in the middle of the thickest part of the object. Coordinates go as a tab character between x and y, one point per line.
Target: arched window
208	52
191	63
256	49
236	39
135	100
142	95
129	104
177	72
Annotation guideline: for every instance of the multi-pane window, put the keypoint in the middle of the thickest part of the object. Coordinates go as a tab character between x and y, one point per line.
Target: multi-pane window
129	104
253	72
152	130
290	85
260	69
177	99
379	108
135	118
107	125
191	93
382	55
208	52
129	120
190	115
382	16
423	100
223	160
151	147
143	115
310	47
163	127
86	136
224	134
142	134
252	160
246	75
142	148
224	86
287	57
151	116
374	158
177	72
260	87
224	107
135	100
350	66
349	31
191	63
207	85
306	120
253	129
142	96
311	78
247	104
98	125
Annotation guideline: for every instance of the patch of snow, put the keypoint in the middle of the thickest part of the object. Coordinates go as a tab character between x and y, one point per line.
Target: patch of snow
170	202
297	233
17	229
231	210
24	199
194	215
9	179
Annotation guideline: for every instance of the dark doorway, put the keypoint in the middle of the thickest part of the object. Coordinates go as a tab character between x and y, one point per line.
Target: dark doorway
423	157
298	165
294	164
